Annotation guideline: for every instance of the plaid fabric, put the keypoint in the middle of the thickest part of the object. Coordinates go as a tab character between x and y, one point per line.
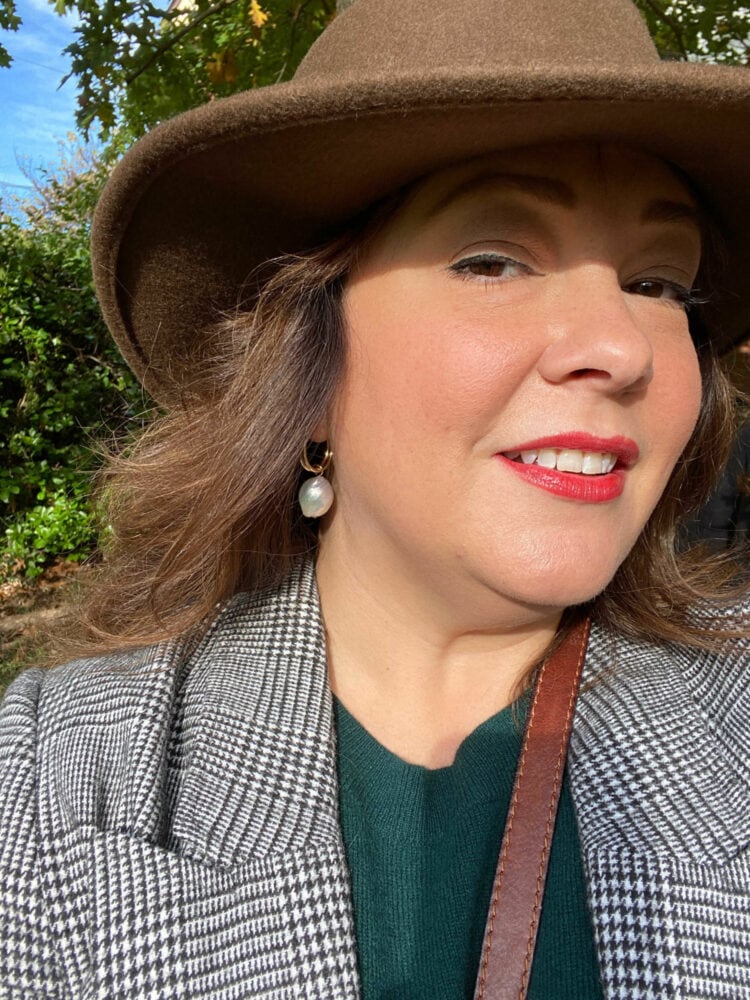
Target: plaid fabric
660	768
169	821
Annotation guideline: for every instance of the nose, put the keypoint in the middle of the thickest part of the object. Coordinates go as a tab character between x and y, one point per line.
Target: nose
596	335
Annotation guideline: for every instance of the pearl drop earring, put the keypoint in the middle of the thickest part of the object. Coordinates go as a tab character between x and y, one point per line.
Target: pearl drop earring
316	495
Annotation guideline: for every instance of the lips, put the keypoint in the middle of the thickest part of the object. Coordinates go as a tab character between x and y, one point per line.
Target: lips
576	466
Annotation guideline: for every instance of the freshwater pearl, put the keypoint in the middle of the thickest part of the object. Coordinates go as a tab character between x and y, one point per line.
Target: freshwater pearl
315	496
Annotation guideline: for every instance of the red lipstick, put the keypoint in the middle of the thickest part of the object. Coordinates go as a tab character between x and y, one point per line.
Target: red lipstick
586	488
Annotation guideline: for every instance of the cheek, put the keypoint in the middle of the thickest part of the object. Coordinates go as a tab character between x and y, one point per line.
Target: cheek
417	364
384	394
682	398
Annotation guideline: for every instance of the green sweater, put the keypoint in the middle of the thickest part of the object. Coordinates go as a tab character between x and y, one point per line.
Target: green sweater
422	846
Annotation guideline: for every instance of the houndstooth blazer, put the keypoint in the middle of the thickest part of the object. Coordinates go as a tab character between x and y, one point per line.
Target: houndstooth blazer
169	820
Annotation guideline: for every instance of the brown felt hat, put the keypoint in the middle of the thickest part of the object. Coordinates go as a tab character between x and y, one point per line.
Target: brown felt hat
391	91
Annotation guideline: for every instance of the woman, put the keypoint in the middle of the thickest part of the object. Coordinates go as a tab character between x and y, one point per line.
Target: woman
287	772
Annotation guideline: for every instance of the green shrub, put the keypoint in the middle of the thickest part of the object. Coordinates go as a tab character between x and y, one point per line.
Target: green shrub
61	381
62	526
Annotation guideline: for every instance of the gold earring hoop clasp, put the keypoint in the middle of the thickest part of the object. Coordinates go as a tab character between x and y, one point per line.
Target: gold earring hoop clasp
319	468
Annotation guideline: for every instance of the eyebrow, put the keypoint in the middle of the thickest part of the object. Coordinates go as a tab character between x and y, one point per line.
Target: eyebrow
557	192
542	188
678	212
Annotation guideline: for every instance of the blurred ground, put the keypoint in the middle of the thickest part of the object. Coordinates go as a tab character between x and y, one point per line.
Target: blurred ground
28	612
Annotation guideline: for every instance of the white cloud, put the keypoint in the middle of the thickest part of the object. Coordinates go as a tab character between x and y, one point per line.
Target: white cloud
13	179
42	36
46	9
32	116
36	114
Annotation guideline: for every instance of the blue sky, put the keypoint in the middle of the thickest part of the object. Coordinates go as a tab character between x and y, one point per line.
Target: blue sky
35	114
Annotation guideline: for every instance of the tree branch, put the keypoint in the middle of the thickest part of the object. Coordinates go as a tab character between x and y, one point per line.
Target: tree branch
167	44
296	16
672	24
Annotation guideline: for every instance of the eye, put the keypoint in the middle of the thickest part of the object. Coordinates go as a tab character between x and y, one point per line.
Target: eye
490	266
661	288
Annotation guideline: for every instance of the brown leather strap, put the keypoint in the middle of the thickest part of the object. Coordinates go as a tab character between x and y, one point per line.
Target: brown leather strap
513	915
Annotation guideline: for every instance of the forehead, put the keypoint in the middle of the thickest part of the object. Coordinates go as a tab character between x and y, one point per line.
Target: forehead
567	175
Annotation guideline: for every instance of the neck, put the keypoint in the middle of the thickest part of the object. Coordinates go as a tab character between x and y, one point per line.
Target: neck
417	669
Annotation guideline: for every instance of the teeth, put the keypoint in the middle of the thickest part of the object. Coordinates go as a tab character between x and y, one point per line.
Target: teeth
590	463
547	458
570	461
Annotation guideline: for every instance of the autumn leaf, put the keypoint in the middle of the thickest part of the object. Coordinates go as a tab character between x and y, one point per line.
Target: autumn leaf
257	15
222	67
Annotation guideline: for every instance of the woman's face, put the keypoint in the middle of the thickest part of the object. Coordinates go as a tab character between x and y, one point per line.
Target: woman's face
520	377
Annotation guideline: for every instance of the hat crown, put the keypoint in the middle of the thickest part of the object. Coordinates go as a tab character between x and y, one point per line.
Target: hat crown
395	37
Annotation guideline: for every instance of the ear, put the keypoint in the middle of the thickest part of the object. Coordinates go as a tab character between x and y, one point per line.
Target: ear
320	431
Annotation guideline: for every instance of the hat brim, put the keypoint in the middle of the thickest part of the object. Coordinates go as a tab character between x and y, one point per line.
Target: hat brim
196	205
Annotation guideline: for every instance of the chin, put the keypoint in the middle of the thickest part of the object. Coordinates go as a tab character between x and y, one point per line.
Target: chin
551	581
578	586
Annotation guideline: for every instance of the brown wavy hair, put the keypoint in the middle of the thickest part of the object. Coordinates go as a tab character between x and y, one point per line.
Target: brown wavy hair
203	505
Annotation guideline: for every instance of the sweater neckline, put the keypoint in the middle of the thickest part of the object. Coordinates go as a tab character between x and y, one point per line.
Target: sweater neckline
406	796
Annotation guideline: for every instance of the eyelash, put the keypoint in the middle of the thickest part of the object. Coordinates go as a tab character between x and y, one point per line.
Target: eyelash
687	298
462	268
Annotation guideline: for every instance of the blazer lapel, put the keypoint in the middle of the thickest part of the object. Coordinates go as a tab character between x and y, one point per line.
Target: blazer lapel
241	888
257	762
662	804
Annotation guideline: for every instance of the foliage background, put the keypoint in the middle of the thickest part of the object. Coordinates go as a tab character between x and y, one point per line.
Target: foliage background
61	379
135	63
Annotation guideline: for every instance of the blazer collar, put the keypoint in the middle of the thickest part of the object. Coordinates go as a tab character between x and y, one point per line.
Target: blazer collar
256	763
653	770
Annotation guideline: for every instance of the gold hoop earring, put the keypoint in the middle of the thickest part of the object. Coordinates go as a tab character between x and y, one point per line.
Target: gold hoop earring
320	468
316	495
